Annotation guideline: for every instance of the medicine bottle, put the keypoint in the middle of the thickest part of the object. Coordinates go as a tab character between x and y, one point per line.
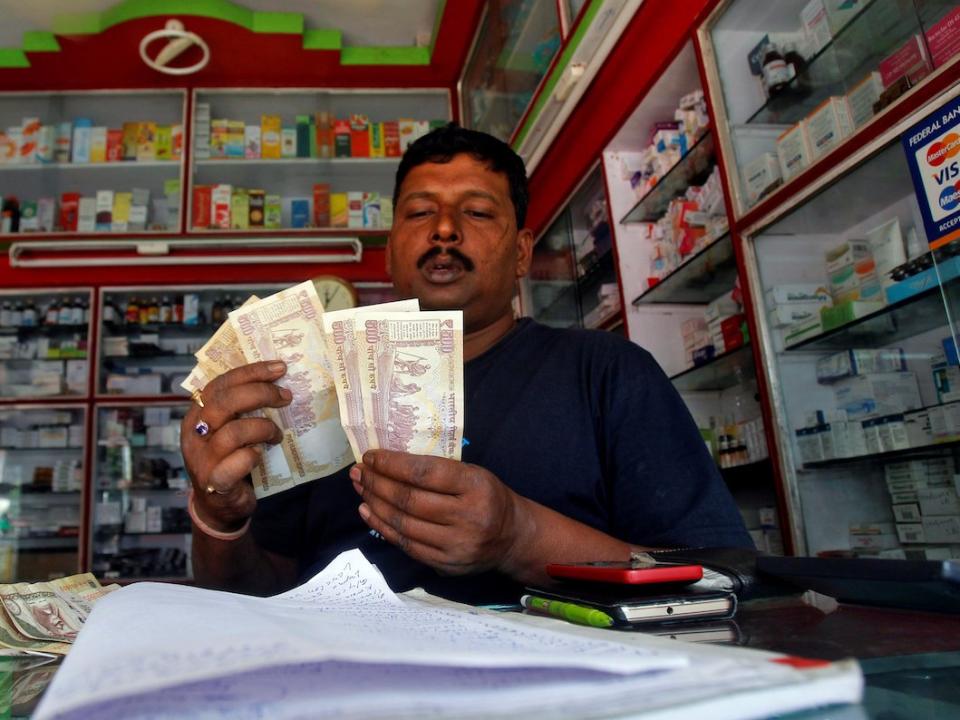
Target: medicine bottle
777	74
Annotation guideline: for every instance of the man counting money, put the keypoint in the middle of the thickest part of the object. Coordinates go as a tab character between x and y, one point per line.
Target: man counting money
575	445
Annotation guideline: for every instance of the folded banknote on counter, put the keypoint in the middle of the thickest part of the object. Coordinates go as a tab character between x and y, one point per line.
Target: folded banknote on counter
380	376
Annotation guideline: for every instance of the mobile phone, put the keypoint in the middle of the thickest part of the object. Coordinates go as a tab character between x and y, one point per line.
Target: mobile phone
626	573
657	607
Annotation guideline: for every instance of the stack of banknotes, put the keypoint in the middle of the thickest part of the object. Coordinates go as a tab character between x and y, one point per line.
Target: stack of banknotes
381	376
45	617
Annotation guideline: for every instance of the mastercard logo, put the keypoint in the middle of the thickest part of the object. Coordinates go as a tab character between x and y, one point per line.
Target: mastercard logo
950	197
943	150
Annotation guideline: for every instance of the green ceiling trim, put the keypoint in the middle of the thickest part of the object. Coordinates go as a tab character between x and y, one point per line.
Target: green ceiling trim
13	58
571	47
259	22
322	40
278	22
40	42
385	56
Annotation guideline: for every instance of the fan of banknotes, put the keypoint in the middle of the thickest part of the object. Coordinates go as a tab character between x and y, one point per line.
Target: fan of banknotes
45	617
381	376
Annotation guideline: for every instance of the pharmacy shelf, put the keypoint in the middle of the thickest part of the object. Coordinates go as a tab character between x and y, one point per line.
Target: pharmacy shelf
692	169
338	232
220	162
854	52
699	279
920	451
717	374
114	330
907	318
129	164
58	330
40	543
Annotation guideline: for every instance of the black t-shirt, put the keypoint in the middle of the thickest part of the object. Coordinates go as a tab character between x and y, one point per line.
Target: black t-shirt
581	421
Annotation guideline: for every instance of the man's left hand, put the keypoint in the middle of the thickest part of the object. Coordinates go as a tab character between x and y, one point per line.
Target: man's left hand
456	517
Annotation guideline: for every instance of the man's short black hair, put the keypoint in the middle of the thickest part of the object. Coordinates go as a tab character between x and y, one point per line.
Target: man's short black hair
442	144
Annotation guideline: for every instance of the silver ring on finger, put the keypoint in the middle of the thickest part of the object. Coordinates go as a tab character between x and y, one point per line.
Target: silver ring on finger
201	428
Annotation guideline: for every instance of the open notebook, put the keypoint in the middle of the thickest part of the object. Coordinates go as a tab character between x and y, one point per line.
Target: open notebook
343	645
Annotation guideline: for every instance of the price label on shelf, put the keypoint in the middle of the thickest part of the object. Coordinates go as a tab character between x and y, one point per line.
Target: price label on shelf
933	154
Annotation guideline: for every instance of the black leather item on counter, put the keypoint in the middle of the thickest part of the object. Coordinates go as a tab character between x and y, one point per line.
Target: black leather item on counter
731	569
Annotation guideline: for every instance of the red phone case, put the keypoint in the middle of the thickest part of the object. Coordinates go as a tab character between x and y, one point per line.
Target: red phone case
624	573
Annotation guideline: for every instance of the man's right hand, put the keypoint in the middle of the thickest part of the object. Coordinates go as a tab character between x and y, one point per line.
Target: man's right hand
219	462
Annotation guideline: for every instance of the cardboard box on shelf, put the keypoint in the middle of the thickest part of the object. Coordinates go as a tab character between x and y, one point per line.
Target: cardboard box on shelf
841	12
917	426
804	330
943	37
877	394
827	126
816	27
938	501
862	97
908	512
846	312
910	533
907	61
760	176
793	151
864	361
944	529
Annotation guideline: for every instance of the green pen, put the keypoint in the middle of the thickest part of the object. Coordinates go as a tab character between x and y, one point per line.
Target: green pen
571	612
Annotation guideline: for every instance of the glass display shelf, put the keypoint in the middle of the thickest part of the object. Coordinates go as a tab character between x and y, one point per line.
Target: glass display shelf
140	164
855	51
172	327
41	543
701	278
692	169
31	330
895	322
568	294
515	44
912	453
717	374
298	161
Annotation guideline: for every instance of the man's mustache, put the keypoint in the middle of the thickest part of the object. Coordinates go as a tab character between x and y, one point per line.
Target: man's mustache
451	251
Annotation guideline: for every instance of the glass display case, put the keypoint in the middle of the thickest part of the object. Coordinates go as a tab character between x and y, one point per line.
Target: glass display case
513	49
573	277
859	331
793	80
44	343
678	272
91	162
303	159
149	334
139	522
41	482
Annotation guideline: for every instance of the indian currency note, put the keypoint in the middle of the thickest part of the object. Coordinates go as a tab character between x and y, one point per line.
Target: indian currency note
411	370
219	354
286	326
196	380
78	591
338	330
11	637
38	612
222	351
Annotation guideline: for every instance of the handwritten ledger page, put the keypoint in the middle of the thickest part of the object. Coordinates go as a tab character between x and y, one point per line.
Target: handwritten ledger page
344	645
